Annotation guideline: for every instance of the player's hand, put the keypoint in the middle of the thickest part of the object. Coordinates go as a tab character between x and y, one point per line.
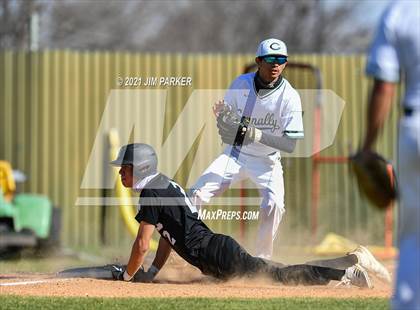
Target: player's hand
250	135
118	272
218	107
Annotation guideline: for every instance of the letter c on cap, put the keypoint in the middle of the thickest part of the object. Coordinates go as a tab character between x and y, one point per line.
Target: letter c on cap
275	46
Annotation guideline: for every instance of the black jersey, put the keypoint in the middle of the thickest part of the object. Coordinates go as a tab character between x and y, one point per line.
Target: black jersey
165	204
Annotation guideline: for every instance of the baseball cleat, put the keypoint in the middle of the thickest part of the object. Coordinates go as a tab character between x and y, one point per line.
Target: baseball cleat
356	275
369	262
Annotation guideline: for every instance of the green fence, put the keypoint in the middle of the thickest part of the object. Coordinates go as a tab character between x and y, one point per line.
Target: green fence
52	103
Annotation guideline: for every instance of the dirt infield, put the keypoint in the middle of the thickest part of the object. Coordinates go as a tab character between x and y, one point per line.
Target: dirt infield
177	282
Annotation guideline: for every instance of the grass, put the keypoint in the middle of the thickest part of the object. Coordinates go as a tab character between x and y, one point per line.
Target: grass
19	302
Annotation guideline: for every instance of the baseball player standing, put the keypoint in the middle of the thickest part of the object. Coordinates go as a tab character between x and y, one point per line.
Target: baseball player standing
273	111
395	48
164	205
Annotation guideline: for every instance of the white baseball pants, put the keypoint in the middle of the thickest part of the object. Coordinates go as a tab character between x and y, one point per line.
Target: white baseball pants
407	290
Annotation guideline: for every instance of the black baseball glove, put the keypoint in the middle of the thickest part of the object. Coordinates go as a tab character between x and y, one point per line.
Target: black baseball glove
234	129
376	181
140	276
143	276
117	271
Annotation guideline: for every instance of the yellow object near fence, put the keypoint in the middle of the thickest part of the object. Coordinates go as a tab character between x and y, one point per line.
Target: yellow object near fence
7	183
333	245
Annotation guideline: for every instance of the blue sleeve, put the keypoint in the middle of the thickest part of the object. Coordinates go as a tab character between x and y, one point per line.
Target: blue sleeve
382	62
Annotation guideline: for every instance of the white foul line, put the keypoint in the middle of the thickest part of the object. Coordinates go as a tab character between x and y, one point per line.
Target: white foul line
31	282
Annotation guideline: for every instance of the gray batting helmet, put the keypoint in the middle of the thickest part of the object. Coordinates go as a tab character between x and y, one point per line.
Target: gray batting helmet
141	156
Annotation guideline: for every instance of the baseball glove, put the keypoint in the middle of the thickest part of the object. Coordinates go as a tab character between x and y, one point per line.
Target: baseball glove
234	129
117	271
374	178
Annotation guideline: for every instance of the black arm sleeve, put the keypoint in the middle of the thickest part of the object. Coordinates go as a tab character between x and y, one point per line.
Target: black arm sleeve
283	143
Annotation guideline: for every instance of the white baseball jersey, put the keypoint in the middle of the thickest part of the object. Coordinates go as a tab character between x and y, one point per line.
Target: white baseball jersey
276	112
396	48
392	49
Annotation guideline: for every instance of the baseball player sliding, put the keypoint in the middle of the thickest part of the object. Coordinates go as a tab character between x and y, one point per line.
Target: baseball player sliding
268	120
165	206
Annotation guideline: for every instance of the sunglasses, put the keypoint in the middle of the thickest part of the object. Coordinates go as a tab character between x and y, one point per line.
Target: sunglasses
275	59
